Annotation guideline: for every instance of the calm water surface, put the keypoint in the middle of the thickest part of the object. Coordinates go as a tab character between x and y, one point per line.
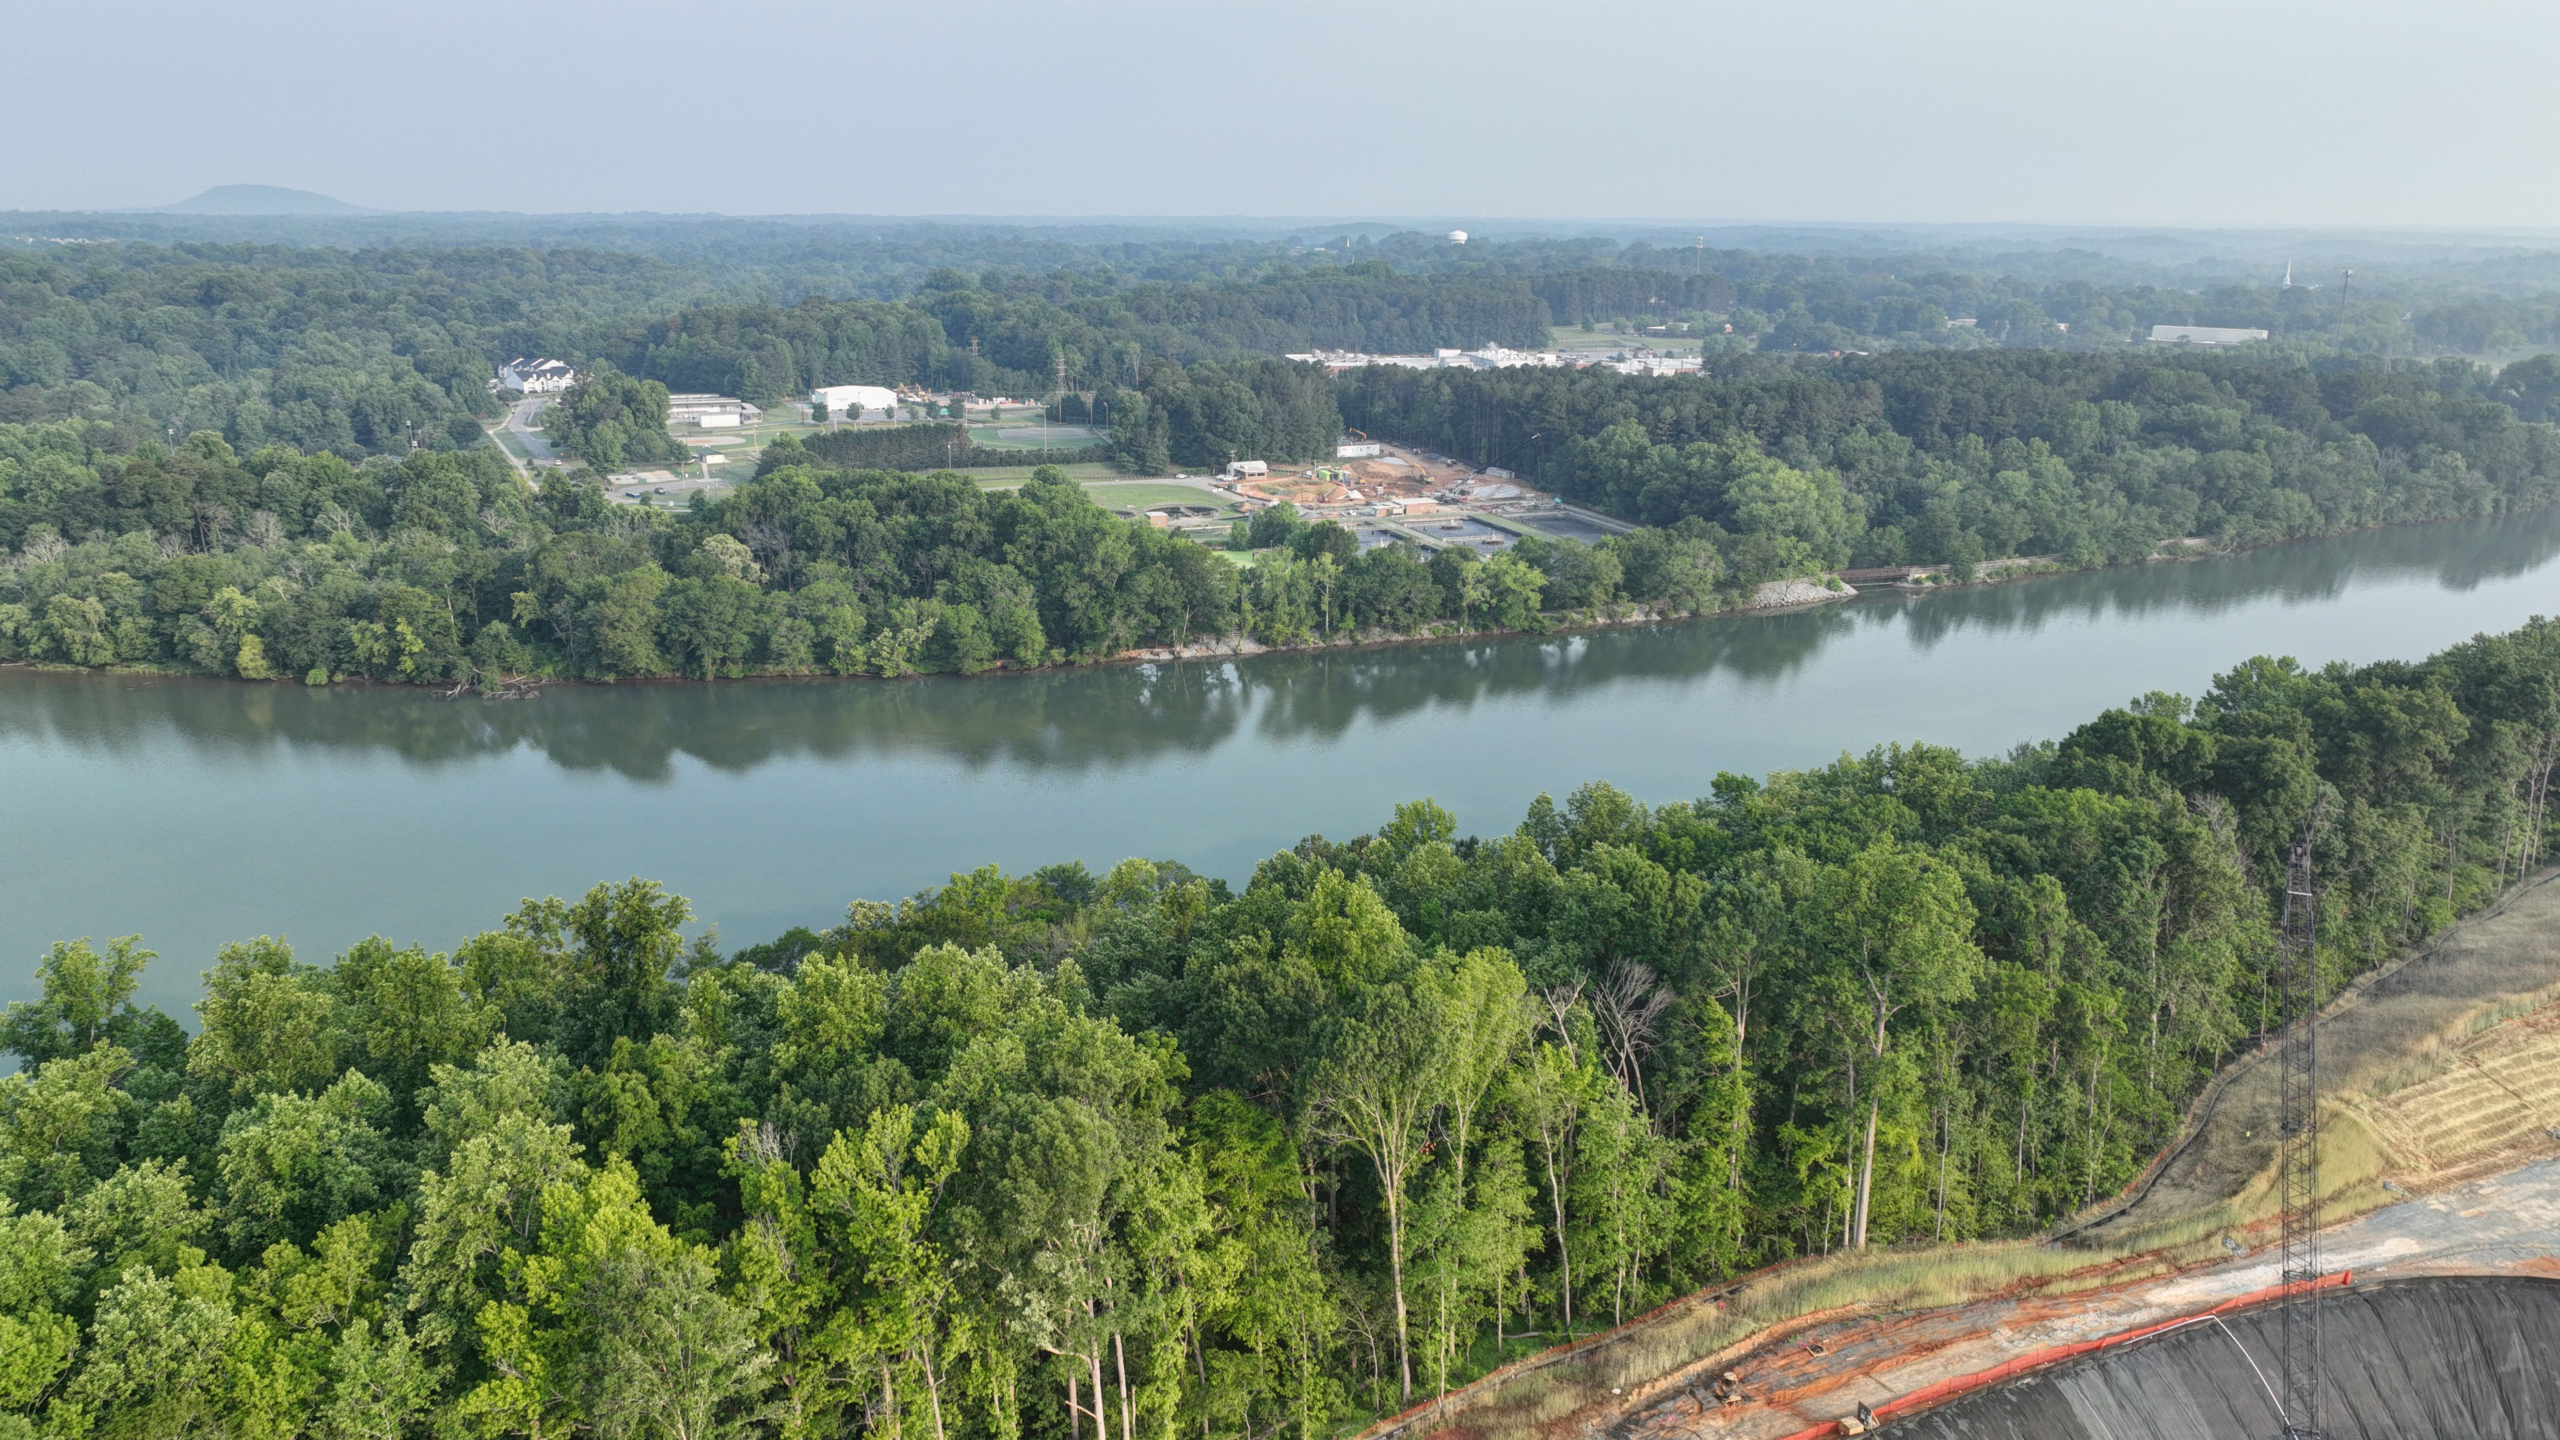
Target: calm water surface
198	811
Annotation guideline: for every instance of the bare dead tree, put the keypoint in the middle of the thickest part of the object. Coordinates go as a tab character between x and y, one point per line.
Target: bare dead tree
264	530
1560	1000
770	544
1629	1002
214	529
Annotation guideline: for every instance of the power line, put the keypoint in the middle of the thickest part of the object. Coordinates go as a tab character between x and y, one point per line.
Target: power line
2298	1142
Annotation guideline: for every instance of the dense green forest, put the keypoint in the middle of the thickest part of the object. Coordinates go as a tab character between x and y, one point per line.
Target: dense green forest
447	568
1201	416
1159	1155
2410	294
958	333
358	353
791	258
386	345
269	461
918	447
385	351
610	420
1007	333
1965	457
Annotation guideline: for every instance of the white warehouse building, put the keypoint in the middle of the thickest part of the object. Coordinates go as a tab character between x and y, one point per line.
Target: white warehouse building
710	412
851	402
2203	335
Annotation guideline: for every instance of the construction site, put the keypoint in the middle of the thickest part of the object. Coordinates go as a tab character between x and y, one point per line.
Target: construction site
1391	494
2356	1235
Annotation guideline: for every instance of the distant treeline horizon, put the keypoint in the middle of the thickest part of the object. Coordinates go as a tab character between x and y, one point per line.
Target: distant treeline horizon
448	568
381	349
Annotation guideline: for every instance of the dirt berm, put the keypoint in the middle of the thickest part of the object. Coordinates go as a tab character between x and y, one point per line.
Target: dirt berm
2432	1070
2436	1074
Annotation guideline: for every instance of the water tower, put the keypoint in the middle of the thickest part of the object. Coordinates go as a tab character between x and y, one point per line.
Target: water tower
1457	237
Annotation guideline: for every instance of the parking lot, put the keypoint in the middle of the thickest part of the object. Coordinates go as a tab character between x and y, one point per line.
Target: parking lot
653	490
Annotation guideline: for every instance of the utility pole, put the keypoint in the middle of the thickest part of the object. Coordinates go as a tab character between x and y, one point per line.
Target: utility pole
2298	1142
1060	360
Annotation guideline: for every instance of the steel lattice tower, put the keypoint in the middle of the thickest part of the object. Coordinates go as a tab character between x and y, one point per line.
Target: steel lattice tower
2298	1138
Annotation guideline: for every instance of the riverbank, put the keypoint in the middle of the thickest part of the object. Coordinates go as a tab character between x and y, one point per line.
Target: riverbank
1769	597
258	808
1776	596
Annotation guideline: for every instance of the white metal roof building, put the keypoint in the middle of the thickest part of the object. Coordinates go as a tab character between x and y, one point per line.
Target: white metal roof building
1491	357
2203	335
853	400
710	412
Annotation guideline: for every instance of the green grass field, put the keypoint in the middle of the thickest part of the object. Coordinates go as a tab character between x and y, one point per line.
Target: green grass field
985	438
506	440
1005	477
1576	337
1139	494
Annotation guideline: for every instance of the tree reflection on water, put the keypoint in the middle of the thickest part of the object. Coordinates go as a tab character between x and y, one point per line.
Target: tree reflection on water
1093	720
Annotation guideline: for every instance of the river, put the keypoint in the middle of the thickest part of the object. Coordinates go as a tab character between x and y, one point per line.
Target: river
197	811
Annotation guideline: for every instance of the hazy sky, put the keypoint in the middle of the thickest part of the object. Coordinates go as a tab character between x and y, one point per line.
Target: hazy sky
2186	112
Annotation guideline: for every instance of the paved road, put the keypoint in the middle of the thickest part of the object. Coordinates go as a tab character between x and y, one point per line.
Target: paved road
521	422
514	461
663	492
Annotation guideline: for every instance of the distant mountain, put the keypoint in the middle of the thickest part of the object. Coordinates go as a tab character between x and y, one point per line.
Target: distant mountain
261	200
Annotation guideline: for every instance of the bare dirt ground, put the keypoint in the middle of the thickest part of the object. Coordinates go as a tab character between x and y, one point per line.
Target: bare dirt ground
1301	491
1416	476
2505	1224
2423	1074
1401	474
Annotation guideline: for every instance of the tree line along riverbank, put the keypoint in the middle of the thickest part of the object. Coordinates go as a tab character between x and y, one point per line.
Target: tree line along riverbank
446	568
1022	1154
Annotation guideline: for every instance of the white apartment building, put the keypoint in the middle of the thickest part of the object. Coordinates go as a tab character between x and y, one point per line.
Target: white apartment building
533	375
